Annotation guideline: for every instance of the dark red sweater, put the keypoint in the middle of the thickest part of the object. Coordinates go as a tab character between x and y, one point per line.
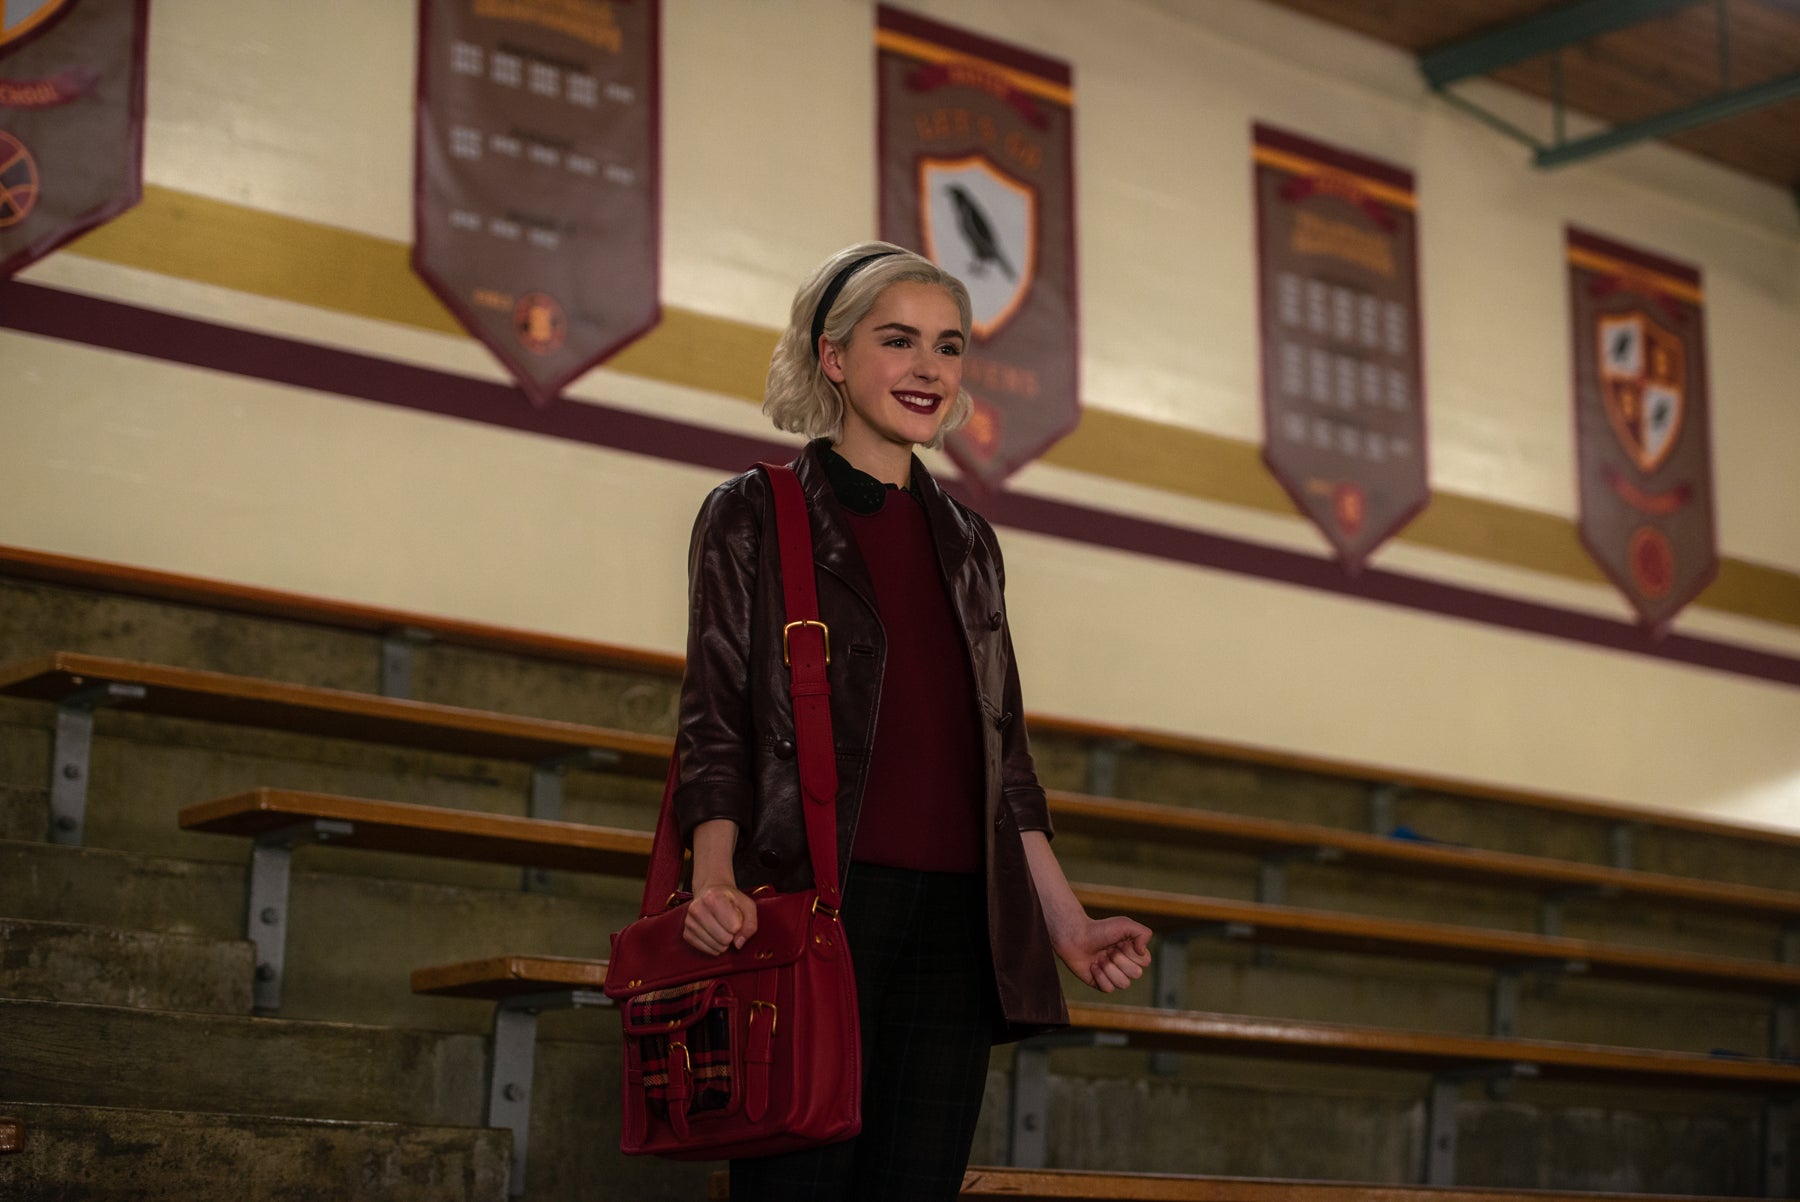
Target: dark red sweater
921	808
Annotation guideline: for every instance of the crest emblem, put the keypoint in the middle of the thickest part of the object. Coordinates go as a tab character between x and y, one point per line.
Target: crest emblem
981	224
19	17
1643	374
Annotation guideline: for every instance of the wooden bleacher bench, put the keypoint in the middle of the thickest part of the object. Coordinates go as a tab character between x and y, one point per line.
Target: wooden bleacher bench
79	684
280	819
522	987
1422	1051
1107	817
519	985
1066	1185
1330	930
1104	738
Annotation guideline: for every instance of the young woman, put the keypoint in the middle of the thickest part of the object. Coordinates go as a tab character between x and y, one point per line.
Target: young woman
955	909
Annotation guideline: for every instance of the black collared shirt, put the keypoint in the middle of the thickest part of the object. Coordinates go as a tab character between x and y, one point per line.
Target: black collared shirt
855	489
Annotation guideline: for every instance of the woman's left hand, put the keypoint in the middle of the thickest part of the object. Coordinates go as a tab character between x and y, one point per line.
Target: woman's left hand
1106	953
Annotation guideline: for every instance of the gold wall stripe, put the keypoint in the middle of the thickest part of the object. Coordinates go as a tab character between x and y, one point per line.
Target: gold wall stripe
246	250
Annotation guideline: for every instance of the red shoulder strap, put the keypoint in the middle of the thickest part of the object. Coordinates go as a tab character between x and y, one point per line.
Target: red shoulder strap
806	645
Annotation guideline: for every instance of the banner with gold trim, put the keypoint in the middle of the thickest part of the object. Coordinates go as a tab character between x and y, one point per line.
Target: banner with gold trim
977	173
537	185
71	120
1343	378
1643	439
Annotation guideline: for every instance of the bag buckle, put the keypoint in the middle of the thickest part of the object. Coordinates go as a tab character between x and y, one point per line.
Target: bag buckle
819	907
824	633
774	1014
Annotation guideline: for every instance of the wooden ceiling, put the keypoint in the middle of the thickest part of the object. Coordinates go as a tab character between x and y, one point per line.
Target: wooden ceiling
1660	65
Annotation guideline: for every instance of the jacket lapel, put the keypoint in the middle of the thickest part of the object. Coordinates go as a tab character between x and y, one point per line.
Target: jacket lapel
951	531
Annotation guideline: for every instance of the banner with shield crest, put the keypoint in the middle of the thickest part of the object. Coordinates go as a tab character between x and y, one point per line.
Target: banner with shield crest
976	157
1643	439
71	120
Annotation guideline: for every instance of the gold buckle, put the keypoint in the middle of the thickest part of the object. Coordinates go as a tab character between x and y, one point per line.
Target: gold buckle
774	1015
819	907
824	633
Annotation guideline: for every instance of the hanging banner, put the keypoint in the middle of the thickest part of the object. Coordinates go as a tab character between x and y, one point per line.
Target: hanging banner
1643	441
976	160
1343	380
537	187
71	120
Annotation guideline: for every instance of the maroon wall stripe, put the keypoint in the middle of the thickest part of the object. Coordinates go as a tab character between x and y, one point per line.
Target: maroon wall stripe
34	309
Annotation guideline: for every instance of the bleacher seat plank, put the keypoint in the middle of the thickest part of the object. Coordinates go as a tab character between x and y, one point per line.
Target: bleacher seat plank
499	977
1329	930
1374	774
79	572
1267	1038
333	713
431	831
1107	817
1070	1185
1424	1051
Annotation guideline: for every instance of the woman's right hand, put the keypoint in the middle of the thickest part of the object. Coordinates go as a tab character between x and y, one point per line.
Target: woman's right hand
719	917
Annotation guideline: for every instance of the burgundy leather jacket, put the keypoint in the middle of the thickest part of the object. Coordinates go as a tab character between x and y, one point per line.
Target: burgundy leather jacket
736	742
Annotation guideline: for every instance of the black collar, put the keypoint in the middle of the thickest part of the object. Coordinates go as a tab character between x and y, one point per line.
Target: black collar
855	489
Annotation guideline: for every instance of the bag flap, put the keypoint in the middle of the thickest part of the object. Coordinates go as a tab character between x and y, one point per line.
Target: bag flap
658	1011
651	955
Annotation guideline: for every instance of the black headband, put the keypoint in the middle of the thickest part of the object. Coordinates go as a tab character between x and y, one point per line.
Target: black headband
830	295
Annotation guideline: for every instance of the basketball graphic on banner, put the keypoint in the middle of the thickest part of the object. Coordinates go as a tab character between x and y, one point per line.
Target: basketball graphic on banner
18	181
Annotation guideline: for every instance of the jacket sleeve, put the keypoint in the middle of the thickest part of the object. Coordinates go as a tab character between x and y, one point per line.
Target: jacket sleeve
715	740
1019	786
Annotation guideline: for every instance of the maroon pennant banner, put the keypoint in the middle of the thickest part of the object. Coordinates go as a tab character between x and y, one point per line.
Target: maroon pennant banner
976	157
71	120
1343	379
1643	439
537	188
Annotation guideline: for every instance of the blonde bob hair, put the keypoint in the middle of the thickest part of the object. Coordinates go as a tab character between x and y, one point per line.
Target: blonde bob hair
798	397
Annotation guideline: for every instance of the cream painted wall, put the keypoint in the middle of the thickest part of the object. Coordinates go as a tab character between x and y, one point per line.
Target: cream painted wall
304	110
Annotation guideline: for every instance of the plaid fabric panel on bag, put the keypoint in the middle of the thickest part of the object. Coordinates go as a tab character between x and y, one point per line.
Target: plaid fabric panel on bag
696	1017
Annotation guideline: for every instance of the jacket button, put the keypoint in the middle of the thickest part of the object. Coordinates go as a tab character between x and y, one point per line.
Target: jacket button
784	749
1004	720
994	620
769	859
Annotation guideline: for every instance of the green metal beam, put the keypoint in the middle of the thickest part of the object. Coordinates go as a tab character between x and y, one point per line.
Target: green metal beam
1718	108
1538	35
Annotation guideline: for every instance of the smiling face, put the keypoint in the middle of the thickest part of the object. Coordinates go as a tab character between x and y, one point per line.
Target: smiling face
899	372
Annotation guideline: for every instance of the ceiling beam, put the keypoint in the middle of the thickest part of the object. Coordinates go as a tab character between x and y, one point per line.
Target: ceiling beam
1716	108
1538	35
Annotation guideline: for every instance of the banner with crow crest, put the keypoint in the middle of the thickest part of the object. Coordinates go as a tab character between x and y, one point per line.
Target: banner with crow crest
976	157
1642	440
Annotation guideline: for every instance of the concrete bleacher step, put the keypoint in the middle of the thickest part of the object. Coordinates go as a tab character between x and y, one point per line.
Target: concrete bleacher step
352	939
70	1154
70	1054
110	966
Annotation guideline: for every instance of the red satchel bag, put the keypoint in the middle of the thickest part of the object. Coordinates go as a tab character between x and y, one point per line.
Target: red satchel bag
757	1050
